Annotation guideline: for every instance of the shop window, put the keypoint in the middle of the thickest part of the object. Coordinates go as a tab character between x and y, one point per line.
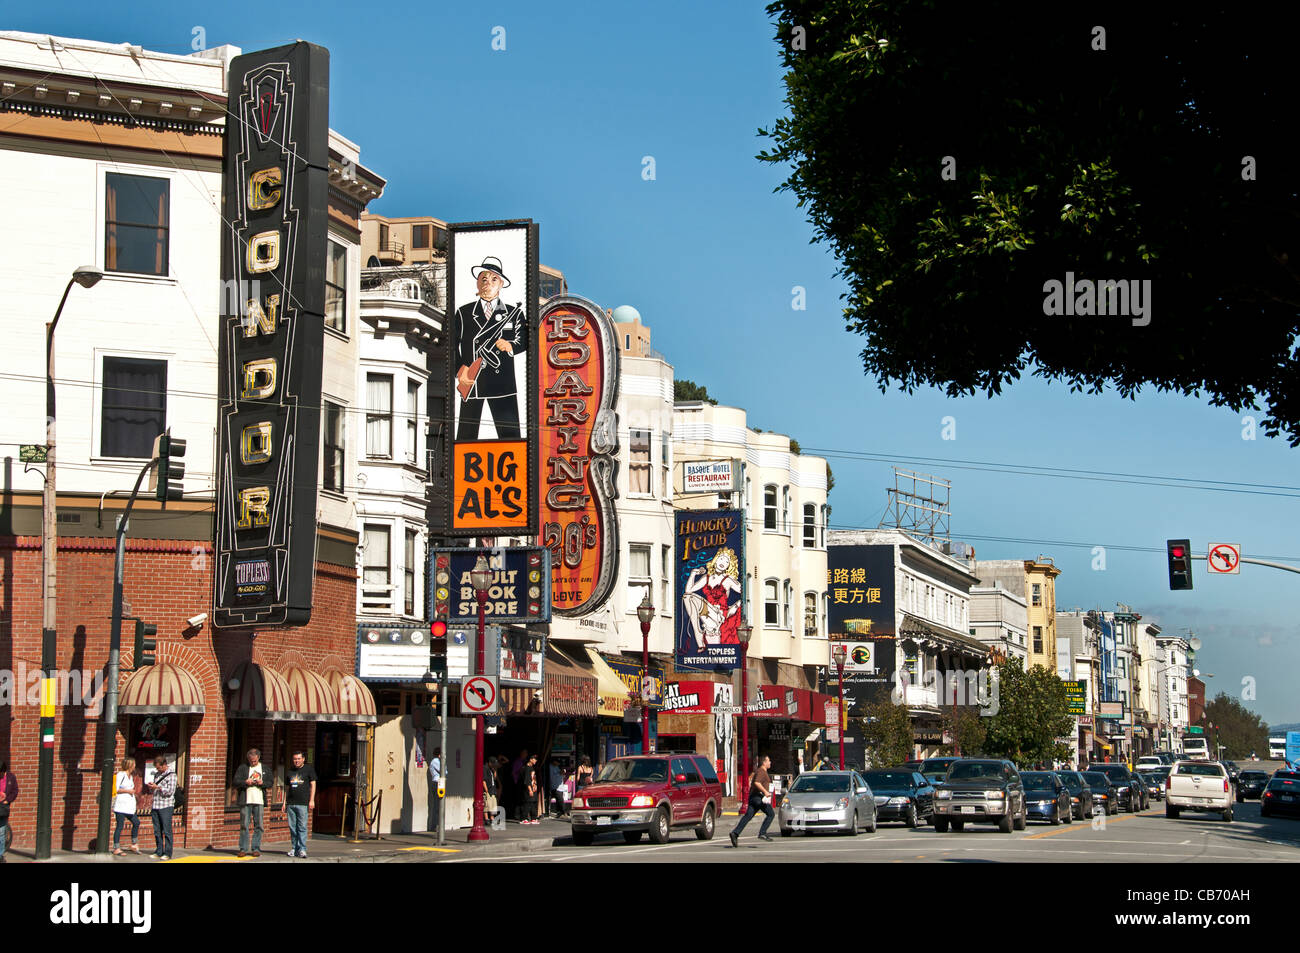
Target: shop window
243	734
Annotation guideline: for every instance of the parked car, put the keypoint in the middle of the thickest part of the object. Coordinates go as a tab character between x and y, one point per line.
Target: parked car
1198	786
1080	793
1109	797
1120	774
901	795
828	800
1251	784
980	791
1155	781
649	794
1168	757
1233	771
1149	761
1046	797
935	769
1281	796
912	765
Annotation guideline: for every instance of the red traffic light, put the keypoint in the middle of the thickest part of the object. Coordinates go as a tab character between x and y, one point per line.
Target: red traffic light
438	629
1177	552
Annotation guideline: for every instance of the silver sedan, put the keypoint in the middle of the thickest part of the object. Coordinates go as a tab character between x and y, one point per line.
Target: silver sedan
828	801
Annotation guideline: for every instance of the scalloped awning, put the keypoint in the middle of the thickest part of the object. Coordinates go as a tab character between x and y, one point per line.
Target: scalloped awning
161	689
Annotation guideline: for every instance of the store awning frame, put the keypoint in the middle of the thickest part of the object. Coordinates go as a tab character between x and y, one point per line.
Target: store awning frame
163	688
356	702
313	697
259	692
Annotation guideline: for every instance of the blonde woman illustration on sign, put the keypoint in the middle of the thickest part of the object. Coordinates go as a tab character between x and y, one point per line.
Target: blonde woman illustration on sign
714	618
489	333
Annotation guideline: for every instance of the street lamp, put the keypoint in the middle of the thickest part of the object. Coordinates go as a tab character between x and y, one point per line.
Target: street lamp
840	654
646	613
480	577
744	632
87	276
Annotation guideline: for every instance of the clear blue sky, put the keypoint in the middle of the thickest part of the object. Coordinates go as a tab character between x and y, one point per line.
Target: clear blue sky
709	255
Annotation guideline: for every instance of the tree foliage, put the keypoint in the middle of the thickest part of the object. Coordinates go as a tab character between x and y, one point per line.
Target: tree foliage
968	730
684	389
1032	712
1166	156
1236	727
886	733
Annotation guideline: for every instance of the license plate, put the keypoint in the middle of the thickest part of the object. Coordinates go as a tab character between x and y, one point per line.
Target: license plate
603	821
1288	797
965	810
811	816
1200	800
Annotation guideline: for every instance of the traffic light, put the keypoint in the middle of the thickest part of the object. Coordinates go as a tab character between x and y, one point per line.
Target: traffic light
146	647
438	646
1180	563
166	479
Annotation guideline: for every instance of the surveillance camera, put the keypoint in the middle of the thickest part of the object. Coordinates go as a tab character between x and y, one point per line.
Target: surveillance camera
196	621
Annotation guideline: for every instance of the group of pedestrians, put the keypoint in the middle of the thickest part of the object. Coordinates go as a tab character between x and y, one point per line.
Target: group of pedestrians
525	792
128	790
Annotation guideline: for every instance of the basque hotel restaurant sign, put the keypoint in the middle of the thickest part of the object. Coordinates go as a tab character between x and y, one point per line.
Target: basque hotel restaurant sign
579	452
492	288
710	586
275	173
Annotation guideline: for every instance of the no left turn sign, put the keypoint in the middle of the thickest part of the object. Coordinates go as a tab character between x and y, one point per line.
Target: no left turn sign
1224	558
479	695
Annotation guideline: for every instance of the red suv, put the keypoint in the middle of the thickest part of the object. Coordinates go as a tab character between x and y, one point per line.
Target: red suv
649	794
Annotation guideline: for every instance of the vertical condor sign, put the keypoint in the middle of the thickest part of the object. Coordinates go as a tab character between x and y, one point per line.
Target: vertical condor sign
579	452
275	194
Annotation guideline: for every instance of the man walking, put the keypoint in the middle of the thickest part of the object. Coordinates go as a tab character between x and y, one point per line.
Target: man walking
488	334
760	788
300	799
163	789
435	778
250	782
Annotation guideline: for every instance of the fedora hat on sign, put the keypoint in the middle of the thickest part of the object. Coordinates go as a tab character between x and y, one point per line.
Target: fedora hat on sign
493	265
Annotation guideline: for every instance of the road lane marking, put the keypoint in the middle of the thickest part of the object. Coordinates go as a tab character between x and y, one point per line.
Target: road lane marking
439	850
1065	829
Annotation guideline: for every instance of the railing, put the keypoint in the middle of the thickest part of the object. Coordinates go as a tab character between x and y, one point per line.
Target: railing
381	599
921	695
392	249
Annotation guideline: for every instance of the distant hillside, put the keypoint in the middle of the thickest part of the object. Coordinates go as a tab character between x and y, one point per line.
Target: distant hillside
1277	729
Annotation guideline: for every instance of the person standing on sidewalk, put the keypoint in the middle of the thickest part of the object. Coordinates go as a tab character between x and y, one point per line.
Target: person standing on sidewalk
250	782
300	799
528	787
435	778
760	789
125	787
8	794
163	789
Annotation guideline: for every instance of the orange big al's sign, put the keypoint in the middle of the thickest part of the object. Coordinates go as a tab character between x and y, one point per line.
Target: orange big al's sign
578	391
492	484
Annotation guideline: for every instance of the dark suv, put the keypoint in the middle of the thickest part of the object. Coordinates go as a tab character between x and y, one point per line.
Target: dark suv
1122	777
982	791
649	794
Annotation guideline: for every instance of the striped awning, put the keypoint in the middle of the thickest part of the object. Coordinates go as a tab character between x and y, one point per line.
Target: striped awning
260	692
313	697
356	703
160	689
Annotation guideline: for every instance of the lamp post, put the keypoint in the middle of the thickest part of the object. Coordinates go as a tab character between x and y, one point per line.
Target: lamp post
480	578
646	613
840	655
744	632
86	276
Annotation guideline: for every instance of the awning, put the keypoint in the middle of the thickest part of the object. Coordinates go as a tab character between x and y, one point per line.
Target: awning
259	692
613	695
313	698
1101	744
568	690
160	689
356	703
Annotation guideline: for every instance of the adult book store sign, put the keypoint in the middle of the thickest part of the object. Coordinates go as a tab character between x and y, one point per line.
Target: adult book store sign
520	590
710	581
579	453
276	175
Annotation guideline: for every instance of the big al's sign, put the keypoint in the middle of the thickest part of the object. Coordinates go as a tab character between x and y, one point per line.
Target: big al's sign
276	180
579	447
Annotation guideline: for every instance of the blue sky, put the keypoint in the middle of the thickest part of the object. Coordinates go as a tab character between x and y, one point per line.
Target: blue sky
709	255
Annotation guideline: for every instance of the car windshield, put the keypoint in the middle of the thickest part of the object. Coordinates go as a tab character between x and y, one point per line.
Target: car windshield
635	769
975	770
1253	775
1037	780
820	783
1096	778
888	779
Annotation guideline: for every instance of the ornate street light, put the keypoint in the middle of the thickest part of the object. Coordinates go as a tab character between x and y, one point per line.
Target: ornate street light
744	632
480	578
646	613
840	655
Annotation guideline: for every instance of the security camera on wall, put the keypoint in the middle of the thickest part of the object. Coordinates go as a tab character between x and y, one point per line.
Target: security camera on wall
196	621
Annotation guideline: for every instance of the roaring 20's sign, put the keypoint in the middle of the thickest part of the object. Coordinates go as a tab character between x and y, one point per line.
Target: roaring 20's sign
710	586
579	452
276	175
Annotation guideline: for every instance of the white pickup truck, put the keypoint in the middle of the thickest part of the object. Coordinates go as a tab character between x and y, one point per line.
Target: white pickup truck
1198	786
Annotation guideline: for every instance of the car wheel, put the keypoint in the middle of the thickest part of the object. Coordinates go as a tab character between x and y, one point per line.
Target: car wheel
958	826
1171	811
659	827
1069	817
853	825
941	825
631	837
705	830
1227	815
1005	823
787	831
872	828
584	838
910	820
1022	821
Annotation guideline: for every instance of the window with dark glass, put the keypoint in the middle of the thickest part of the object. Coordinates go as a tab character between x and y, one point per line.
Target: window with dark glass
336	288
379	415
332	475
809	525
769	507
134	408
137	219
408	574
420	236
1038	638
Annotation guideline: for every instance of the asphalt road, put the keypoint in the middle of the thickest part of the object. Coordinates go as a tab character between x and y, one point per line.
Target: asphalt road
1148	837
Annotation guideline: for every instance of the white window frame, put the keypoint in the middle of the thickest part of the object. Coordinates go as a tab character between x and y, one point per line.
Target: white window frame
638	585
786	526
646	465
344	412
414	388
173	176
97	420
378	415
809	528
772	602
815	630
787	597
773	508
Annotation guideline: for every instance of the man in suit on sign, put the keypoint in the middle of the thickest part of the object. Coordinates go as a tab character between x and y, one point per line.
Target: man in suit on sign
488	335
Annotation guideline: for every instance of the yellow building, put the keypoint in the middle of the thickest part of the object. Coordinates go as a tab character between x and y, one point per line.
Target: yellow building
1034	580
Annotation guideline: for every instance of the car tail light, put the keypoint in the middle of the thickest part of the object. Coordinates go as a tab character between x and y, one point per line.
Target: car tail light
1225	784
641	800
1268	794
1169	782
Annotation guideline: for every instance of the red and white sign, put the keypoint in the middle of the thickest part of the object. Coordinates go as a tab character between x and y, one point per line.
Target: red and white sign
479	695
1225	558
832	711
708	476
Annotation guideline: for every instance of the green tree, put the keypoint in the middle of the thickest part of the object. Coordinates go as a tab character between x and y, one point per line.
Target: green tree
967	729
1031	714
1236	727
684	389
959	156
886	732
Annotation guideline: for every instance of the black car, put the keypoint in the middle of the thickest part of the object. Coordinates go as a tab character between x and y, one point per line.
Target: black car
1046	797
980	791
1137	797
1108	795
935	769
901	795
1234	772
1080	793
1155	782
1251	784
1282	796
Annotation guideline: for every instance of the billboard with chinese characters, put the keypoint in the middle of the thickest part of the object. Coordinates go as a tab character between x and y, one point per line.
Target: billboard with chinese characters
492	377
271	338
860	587
579	452
710	586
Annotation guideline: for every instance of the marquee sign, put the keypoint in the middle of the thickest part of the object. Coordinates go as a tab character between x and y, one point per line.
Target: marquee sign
519	590
577	394
276	182
492	287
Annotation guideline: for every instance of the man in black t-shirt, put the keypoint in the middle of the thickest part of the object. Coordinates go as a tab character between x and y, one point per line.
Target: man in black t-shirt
301	798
